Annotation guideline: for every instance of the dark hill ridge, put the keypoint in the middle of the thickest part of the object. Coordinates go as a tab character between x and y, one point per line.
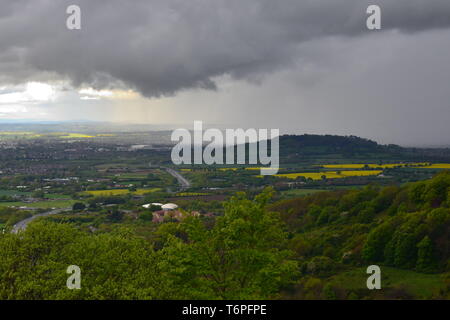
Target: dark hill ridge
311	145
294	148
350	146
332	141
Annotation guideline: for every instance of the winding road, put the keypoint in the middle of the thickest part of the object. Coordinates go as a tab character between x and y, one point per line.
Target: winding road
22	225
181	180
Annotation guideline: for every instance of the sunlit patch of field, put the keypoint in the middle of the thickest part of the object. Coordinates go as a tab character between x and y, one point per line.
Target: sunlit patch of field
75	136
330	174
118	192
372	165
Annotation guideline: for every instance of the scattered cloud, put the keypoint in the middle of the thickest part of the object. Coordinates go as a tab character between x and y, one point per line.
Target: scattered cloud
161	47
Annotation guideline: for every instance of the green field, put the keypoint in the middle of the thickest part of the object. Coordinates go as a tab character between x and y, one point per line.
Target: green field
106	166
420	285
35	135
41	204
129	176
300	192
11	193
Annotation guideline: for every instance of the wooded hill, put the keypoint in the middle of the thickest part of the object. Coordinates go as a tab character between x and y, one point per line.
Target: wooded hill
405	228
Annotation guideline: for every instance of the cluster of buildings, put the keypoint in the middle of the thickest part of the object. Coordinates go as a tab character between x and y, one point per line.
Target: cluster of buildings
168	211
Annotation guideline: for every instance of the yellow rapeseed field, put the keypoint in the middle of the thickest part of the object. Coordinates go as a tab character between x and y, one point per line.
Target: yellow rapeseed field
117	192
75	135
330	174
371	165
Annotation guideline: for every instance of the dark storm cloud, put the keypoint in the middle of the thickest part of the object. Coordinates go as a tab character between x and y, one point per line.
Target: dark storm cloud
160	47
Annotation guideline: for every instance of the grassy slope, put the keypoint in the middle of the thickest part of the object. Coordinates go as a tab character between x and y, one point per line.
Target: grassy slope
419	285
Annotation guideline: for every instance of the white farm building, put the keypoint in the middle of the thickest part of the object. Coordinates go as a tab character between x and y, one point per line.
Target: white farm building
165	207
169	206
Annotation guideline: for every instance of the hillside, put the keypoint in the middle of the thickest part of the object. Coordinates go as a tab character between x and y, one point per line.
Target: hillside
335	235
292	146
313	247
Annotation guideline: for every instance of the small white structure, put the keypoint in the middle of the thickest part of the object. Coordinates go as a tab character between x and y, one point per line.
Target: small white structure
165	207
154	204
169	206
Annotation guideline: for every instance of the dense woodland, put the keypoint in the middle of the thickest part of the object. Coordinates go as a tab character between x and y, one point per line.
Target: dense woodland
406	228
314	247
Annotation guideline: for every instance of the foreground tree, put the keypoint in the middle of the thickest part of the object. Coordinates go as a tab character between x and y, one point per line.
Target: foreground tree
426	261
117	265
243	256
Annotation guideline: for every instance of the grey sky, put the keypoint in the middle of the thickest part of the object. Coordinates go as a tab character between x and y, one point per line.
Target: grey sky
301	66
